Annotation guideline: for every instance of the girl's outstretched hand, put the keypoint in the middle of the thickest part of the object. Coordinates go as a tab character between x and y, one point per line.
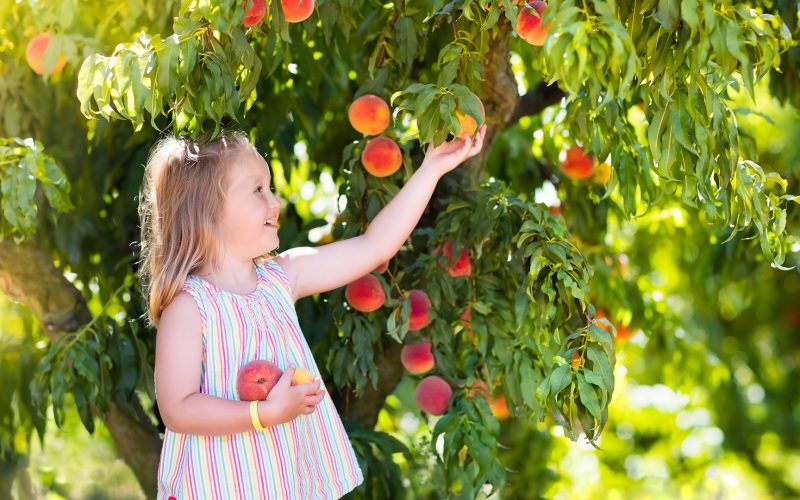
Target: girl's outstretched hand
450	154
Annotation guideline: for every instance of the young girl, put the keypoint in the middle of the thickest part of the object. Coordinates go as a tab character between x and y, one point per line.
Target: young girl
209	222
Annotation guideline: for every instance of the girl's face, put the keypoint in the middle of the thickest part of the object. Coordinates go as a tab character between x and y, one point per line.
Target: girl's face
249	223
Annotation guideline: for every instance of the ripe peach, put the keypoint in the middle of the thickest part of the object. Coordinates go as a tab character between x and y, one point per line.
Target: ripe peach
554	210
499	407
623	333
462	267
369	114
433	395
576	359
255	14
418	358
381	157
467	123
365	294
256	379
383	267
529	24
420	305
34	54
302	376
576	164
296	11
602	174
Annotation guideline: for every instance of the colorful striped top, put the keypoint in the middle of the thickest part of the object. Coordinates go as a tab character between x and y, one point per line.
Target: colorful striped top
309	457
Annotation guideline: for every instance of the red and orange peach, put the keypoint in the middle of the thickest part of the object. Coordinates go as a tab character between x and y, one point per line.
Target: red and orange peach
381	157
365	294
369	114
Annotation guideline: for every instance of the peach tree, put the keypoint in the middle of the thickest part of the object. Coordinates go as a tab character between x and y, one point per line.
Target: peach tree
504	309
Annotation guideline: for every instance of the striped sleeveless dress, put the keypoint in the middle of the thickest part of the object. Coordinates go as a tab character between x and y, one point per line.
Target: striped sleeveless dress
309	457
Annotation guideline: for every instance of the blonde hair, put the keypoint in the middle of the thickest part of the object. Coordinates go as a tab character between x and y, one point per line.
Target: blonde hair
180	203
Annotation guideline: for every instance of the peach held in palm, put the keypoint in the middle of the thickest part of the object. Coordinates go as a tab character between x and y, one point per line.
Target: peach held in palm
369	114
467	123
417	358
365	294
529	23
256	379
296	11
461	267
576	164
255	14
34	54
420	305
433	395
381	157
302	376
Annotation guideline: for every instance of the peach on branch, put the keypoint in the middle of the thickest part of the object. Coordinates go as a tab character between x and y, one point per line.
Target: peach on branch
602	174
296	11
365	294
255	14
433	395
576	164
499	407
381	157
369	114
529	23
420	305
34	54
461	267
417	358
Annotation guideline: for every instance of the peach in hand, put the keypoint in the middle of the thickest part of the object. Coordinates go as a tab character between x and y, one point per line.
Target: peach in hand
302	376
256	379
467	124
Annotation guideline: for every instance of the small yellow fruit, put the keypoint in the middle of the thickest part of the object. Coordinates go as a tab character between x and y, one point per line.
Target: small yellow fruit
302	376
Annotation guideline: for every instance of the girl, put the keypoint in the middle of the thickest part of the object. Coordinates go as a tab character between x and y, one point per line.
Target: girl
209	222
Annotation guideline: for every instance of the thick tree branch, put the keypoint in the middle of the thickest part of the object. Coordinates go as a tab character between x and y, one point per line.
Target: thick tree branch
536	100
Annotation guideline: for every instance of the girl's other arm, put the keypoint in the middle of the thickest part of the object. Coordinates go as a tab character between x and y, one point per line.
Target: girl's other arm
184	409
314	270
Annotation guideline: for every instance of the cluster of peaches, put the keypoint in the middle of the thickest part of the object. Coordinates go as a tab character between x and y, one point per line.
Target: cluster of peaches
433	393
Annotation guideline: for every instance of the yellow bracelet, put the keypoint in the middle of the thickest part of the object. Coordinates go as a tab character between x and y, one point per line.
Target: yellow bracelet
254	416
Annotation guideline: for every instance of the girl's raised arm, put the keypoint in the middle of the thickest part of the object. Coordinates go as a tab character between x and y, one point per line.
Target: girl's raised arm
313	270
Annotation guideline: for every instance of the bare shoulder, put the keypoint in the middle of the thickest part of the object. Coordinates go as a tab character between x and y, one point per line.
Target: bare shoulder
182	310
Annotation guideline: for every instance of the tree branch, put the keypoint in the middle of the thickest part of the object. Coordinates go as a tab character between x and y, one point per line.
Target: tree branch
536	100
27	275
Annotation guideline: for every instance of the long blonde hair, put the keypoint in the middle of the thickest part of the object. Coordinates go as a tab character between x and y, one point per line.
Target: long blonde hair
180	203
